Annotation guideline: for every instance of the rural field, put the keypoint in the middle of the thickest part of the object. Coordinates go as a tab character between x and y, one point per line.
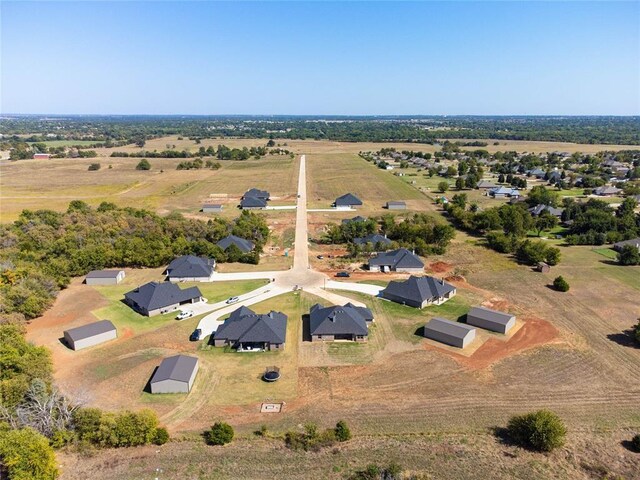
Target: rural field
408	399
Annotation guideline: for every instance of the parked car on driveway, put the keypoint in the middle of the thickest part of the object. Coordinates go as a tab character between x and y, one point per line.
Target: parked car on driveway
320	257
195	336
343	274
184	314
233	300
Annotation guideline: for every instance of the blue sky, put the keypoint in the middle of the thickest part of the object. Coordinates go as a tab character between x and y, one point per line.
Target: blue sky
538	58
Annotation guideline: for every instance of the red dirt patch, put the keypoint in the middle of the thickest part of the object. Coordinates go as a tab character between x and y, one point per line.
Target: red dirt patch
440	267
534	332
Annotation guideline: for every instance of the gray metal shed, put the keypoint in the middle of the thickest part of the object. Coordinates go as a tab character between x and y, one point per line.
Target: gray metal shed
452	333
397	205
175	375
491	319
212	208
104	277
90	335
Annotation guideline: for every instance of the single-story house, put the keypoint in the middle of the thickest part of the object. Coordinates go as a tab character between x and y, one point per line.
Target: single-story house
104	277
396	205
211	208
244	245
347	200
400	260
357	218
452	333
190	268
90	334
419	292
537	172
538	209
247	330
337	322
154	298
502	192
606	191
635	242
255	193
252	203
175	375
491	319
554	177
374	238
485	185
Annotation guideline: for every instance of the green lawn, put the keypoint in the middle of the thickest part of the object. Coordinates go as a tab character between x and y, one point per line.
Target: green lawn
68	143
124	317
607	252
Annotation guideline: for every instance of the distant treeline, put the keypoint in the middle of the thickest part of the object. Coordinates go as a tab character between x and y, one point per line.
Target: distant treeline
221	153
137	129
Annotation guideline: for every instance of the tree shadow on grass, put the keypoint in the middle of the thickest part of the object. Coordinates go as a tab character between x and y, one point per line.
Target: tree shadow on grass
628	444
626	339
502	435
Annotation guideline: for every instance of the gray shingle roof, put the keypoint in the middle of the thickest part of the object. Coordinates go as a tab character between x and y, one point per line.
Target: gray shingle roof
354	219
244	325
178	367
244	245
538	209
419	289
90	330
400	258
191	266
635	242
448	327
103	274
490	315
347	199
253	202
339	320
373	238
255	193
154	295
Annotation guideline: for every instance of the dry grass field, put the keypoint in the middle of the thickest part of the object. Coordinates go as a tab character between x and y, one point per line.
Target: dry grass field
428	407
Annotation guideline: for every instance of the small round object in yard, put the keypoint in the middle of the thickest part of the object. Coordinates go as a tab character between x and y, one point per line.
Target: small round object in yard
271	375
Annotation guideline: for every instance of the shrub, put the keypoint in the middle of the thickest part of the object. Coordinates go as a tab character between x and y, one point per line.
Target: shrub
635	442
220	434
443	187
86	423
636	332
542	430
93	167
342	431
561	284
311	439
629	255
161	437
27	455
143	165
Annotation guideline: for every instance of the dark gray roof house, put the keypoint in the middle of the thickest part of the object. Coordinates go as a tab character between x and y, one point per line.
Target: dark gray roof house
400	260
357	218
485	184
347	200
190	268
606	191
247	330
346	322
374	238
491	319
538	209
104	277
90	334
419	292
153	298
452	333
174	375
248	203
244	245
635	242
255	193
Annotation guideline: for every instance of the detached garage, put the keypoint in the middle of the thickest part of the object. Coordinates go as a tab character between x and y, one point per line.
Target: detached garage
491	319
90	335
452	333
104	277
175	375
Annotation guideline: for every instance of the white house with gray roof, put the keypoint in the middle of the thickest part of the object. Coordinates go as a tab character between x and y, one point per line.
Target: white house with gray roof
449	332
243	244
175	375
90	334
419	292
347	202
348	322
190	268
246	330
400	260
155	298
491	319
104	277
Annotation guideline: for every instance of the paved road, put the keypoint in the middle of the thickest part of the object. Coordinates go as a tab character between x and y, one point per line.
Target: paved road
300	275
